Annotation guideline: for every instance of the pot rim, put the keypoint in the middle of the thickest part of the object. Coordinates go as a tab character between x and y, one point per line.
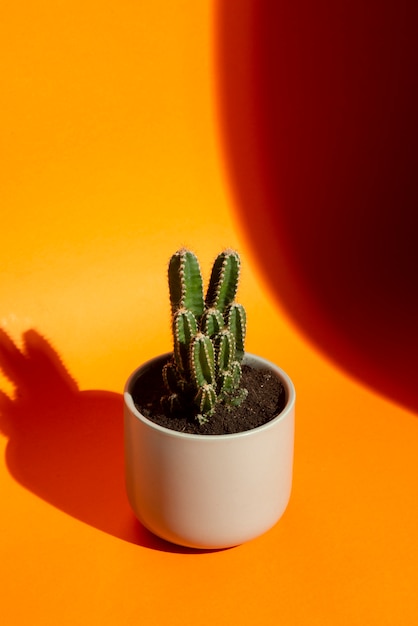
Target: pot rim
248	357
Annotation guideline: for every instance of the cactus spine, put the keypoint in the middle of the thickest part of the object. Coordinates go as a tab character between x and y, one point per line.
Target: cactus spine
208	335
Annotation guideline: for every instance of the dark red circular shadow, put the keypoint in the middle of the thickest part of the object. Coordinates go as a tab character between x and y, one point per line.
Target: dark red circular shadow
318	105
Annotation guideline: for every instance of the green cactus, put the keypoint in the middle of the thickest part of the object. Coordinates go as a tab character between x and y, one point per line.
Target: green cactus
237	324
212	322
223	283
225	350
184	329
208	335
185	282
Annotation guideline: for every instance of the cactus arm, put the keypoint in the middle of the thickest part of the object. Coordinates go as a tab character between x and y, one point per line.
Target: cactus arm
203	372
224	351
226	384
223	282
237	324
238	397
176	387
229	380
230	390
171	403
236	372
185	283
202	360
212	322
184	329
205	400
173	381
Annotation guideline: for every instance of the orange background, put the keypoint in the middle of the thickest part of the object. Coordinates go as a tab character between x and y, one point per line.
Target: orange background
112	157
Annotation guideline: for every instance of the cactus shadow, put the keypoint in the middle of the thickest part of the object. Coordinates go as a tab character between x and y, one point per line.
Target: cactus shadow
66	445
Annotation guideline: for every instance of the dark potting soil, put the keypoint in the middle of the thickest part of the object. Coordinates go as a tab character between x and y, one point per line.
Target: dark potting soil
265	400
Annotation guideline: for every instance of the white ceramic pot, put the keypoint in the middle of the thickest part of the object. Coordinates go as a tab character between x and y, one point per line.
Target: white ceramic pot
209	491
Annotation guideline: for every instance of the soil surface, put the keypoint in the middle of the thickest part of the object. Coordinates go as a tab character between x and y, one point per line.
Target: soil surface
265	399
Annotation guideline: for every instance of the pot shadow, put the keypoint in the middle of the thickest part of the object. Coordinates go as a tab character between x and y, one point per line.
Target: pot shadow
66	445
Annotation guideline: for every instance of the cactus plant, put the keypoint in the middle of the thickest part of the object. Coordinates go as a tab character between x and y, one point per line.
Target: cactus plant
208	336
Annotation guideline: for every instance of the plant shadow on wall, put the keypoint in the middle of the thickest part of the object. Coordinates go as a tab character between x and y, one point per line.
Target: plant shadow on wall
320	134
66	445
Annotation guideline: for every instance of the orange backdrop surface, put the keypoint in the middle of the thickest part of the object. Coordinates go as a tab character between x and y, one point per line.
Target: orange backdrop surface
111	159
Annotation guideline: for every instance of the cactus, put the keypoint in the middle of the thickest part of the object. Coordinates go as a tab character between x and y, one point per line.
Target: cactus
185	282
208	336
223	281
237	323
